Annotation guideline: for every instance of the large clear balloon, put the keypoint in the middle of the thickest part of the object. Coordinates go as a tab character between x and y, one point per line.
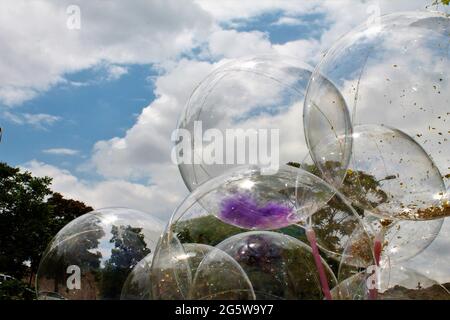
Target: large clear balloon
392	72
196	271
138	284
278	266
249	111
220	277
92	256
336	224
248	198
391	176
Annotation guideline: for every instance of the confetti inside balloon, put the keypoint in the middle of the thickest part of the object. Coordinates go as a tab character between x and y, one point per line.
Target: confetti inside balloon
391	176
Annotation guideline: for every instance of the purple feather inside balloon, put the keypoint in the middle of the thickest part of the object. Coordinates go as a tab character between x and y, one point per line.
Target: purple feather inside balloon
243	211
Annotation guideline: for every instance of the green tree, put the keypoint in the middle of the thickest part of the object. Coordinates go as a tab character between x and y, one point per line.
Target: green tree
23	216
30	215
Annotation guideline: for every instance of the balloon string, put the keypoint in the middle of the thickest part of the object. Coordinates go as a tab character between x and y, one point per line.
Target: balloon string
377	248
311	235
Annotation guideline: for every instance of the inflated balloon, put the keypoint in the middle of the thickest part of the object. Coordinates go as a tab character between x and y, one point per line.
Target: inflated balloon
138	284
247	198
392	72
92	256
277	265
352	288
248	112
220	277
196	271
391	176
171	274
334	225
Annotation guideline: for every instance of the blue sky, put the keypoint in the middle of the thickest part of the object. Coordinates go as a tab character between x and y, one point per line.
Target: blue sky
89	107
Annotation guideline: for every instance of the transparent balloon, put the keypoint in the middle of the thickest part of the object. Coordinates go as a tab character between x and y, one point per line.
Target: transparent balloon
138	284
335	225
278	266
178	273
220	277
391	176
248	198
249	111
91	257
352	288
403	239
391	72
171	274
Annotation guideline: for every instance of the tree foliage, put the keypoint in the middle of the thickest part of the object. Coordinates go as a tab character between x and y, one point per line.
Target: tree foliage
30	215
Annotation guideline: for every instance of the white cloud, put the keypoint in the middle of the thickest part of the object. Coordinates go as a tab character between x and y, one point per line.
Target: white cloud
159	199
288	21
233	44
11	95
148	142
235	9
115	72
61	151
37	120
38	49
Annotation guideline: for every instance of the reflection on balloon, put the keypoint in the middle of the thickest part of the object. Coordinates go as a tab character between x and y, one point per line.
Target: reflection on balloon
91	257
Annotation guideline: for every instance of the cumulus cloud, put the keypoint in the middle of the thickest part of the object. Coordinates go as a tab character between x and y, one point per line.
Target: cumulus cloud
38	48
115	72
288	21
159	199
37	120
148	141
61	151
234	44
